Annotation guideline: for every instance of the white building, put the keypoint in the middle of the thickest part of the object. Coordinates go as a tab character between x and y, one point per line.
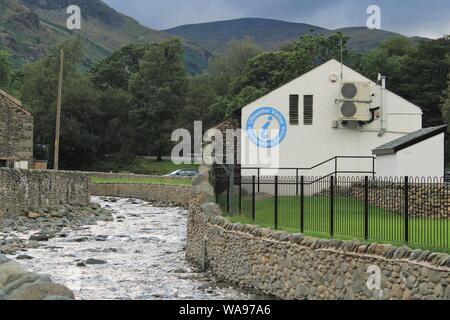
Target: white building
319	116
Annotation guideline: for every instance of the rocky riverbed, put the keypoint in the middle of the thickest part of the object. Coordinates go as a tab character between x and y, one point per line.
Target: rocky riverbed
115	249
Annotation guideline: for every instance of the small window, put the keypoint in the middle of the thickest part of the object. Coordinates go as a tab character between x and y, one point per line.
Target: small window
308	112
293	109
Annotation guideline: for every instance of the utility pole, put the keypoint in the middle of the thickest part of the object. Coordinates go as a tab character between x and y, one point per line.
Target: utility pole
58	112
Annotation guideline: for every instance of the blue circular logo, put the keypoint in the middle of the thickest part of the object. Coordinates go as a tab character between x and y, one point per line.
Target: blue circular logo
266	127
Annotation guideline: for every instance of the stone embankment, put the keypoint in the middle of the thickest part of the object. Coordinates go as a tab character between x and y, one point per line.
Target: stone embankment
27	190
46	223
159	195
293	266
35	206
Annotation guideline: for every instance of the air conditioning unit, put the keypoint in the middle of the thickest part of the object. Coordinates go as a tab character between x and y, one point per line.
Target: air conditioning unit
354	102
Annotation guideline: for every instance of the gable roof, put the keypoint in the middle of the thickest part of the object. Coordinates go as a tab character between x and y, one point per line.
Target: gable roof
331	61
17	103
409	140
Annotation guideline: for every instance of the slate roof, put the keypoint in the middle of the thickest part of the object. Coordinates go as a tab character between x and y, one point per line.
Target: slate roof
409	140
16	103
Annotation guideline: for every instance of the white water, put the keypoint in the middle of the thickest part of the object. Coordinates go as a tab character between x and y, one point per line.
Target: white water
145	257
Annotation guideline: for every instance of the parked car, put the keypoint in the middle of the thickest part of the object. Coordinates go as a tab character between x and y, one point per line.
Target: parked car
183	173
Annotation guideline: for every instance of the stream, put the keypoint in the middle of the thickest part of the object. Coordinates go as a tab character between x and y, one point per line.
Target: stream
139	256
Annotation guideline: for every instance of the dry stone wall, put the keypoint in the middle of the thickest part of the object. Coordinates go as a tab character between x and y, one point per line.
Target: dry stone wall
292	266
28	190
162	194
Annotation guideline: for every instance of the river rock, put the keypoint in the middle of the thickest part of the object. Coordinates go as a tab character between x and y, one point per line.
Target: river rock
18	281
40	290
95	261
34	215
40	237
3	258
24	257
9	269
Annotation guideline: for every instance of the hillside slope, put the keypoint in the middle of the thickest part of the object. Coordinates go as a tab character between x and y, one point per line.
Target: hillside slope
270	34
29	27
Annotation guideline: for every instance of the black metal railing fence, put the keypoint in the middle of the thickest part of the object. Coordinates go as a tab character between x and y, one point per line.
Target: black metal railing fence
405	210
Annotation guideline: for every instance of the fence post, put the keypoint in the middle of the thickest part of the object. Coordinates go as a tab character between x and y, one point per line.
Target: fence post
253	198
276	204
240	195
217	189
406	210
336	166
373	167
296	182
259	177
332	206
228	194
366	208
302	204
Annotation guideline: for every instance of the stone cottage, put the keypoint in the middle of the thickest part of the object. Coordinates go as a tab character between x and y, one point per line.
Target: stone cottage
16	133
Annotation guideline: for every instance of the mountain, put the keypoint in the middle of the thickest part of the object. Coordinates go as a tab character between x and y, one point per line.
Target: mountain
270	34
29	27
364	39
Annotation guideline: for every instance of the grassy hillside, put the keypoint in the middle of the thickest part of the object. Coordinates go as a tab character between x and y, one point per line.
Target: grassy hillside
29	27
270	34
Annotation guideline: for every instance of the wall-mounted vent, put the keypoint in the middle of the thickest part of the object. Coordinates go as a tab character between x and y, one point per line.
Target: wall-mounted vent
308	110
293	109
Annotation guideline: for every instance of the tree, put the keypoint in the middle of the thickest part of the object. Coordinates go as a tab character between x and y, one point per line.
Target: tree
159	92
5	69
117	70
40	83
200	97
226	67
446	97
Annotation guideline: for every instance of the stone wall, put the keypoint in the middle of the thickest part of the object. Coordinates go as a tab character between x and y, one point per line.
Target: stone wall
16	130
26	190
128	176
162	194
292	266
430	198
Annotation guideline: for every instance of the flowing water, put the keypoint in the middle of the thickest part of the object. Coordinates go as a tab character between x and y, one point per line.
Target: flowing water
143	256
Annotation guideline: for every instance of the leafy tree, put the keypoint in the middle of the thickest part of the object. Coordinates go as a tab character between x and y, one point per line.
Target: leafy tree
270	70
422	78
446	97
5	69
117	129
159	92
81	125
200	97
116	71
40	83
226	67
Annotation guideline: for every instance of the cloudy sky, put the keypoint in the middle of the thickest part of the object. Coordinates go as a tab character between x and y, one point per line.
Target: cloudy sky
430	18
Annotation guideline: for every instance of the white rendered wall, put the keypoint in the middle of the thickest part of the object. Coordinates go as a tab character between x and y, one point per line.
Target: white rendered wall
305	146
425	159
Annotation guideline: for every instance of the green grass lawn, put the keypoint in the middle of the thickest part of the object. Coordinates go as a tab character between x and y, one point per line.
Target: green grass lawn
142	166
384	226
142	180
